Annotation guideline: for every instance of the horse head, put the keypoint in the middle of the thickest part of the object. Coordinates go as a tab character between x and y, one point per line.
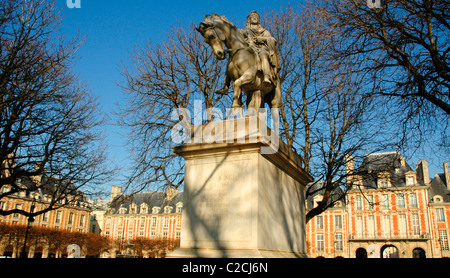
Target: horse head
213	31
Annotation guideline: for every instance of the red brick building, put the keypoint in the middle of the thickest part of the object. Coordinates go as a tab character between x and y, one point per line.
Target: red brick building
150	215
391	211
73	216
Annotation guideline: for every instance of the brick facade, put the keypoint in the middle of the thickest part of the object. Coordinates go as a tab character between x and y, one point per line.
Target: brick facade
399	216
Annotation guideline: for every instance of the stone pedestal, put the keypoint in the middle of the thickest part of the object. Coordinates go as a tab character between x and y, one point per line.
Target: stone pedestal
244	194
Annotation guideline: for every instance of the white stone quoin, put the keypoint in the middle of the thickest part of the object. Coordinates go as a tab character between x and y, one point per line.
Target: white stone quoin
241	201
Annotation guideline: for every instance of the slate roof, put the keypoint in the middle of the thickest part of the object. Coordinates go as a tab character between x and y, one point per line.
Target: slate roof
50	186
390	162
438	187
151	198
316	187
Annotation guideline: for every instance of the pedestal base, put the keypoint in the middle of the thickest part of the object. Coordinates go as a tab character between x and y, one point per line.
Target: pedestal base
241	201
233	253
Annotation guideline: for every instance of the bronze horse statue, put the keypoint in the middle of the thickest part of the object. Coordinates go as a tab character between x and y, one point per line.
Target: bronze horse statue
242	68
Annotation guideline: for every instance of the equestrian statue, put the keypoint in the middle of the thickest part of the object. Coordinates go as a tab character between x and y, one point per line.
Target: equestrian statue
253	65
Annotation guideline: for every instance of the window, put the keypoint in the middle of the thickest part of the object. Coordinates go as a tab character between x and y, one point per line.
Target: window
155	210
371	226
370	204
119	235
144	209
402	225
338	221
385	201
58	217
386	225
359	226
142	222
154	221
45	217
82	220
440	215
108	221
132	209
416	224
179	207
413	200
70	221
382	182
410	181
443	239
358	202
319	222
166	222
319	243
401	200
18	206
338	242
167	209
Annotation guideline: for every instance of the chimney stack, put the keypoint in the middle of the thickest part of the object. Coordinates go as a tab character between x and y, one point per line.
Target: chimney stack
422	172
349	167
115	192
402	161
446	175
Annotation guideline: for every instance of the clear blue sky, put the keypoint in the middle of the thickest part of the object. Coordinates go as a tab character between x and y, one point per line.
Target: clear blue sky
115	27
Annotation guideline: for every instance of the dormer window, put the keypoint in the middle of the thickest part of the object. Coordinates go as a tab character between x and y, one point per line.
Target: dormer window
437	199
155	210
133	208
144	208
167	209
410	178
383	180
122	210
383	183
179	207
318	198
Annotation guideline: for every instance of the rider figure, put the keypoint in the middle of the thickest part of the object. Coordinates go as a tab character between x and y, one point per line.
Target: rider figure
264	44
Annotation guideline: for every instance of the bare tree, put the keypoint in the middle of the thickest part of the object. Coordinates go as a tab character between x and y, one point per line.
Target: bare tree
48	138
327	115
164	79
303	39
403	48
403	43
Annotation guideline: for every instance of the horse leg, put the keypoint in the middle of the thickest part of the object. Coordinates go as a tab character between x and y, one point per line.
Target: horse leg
255	103
246	78
226	84
275	101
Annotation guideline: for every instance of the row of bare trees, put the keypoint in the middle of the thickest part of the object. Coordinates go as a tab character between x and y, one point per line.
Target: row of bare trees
353	79
55	241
